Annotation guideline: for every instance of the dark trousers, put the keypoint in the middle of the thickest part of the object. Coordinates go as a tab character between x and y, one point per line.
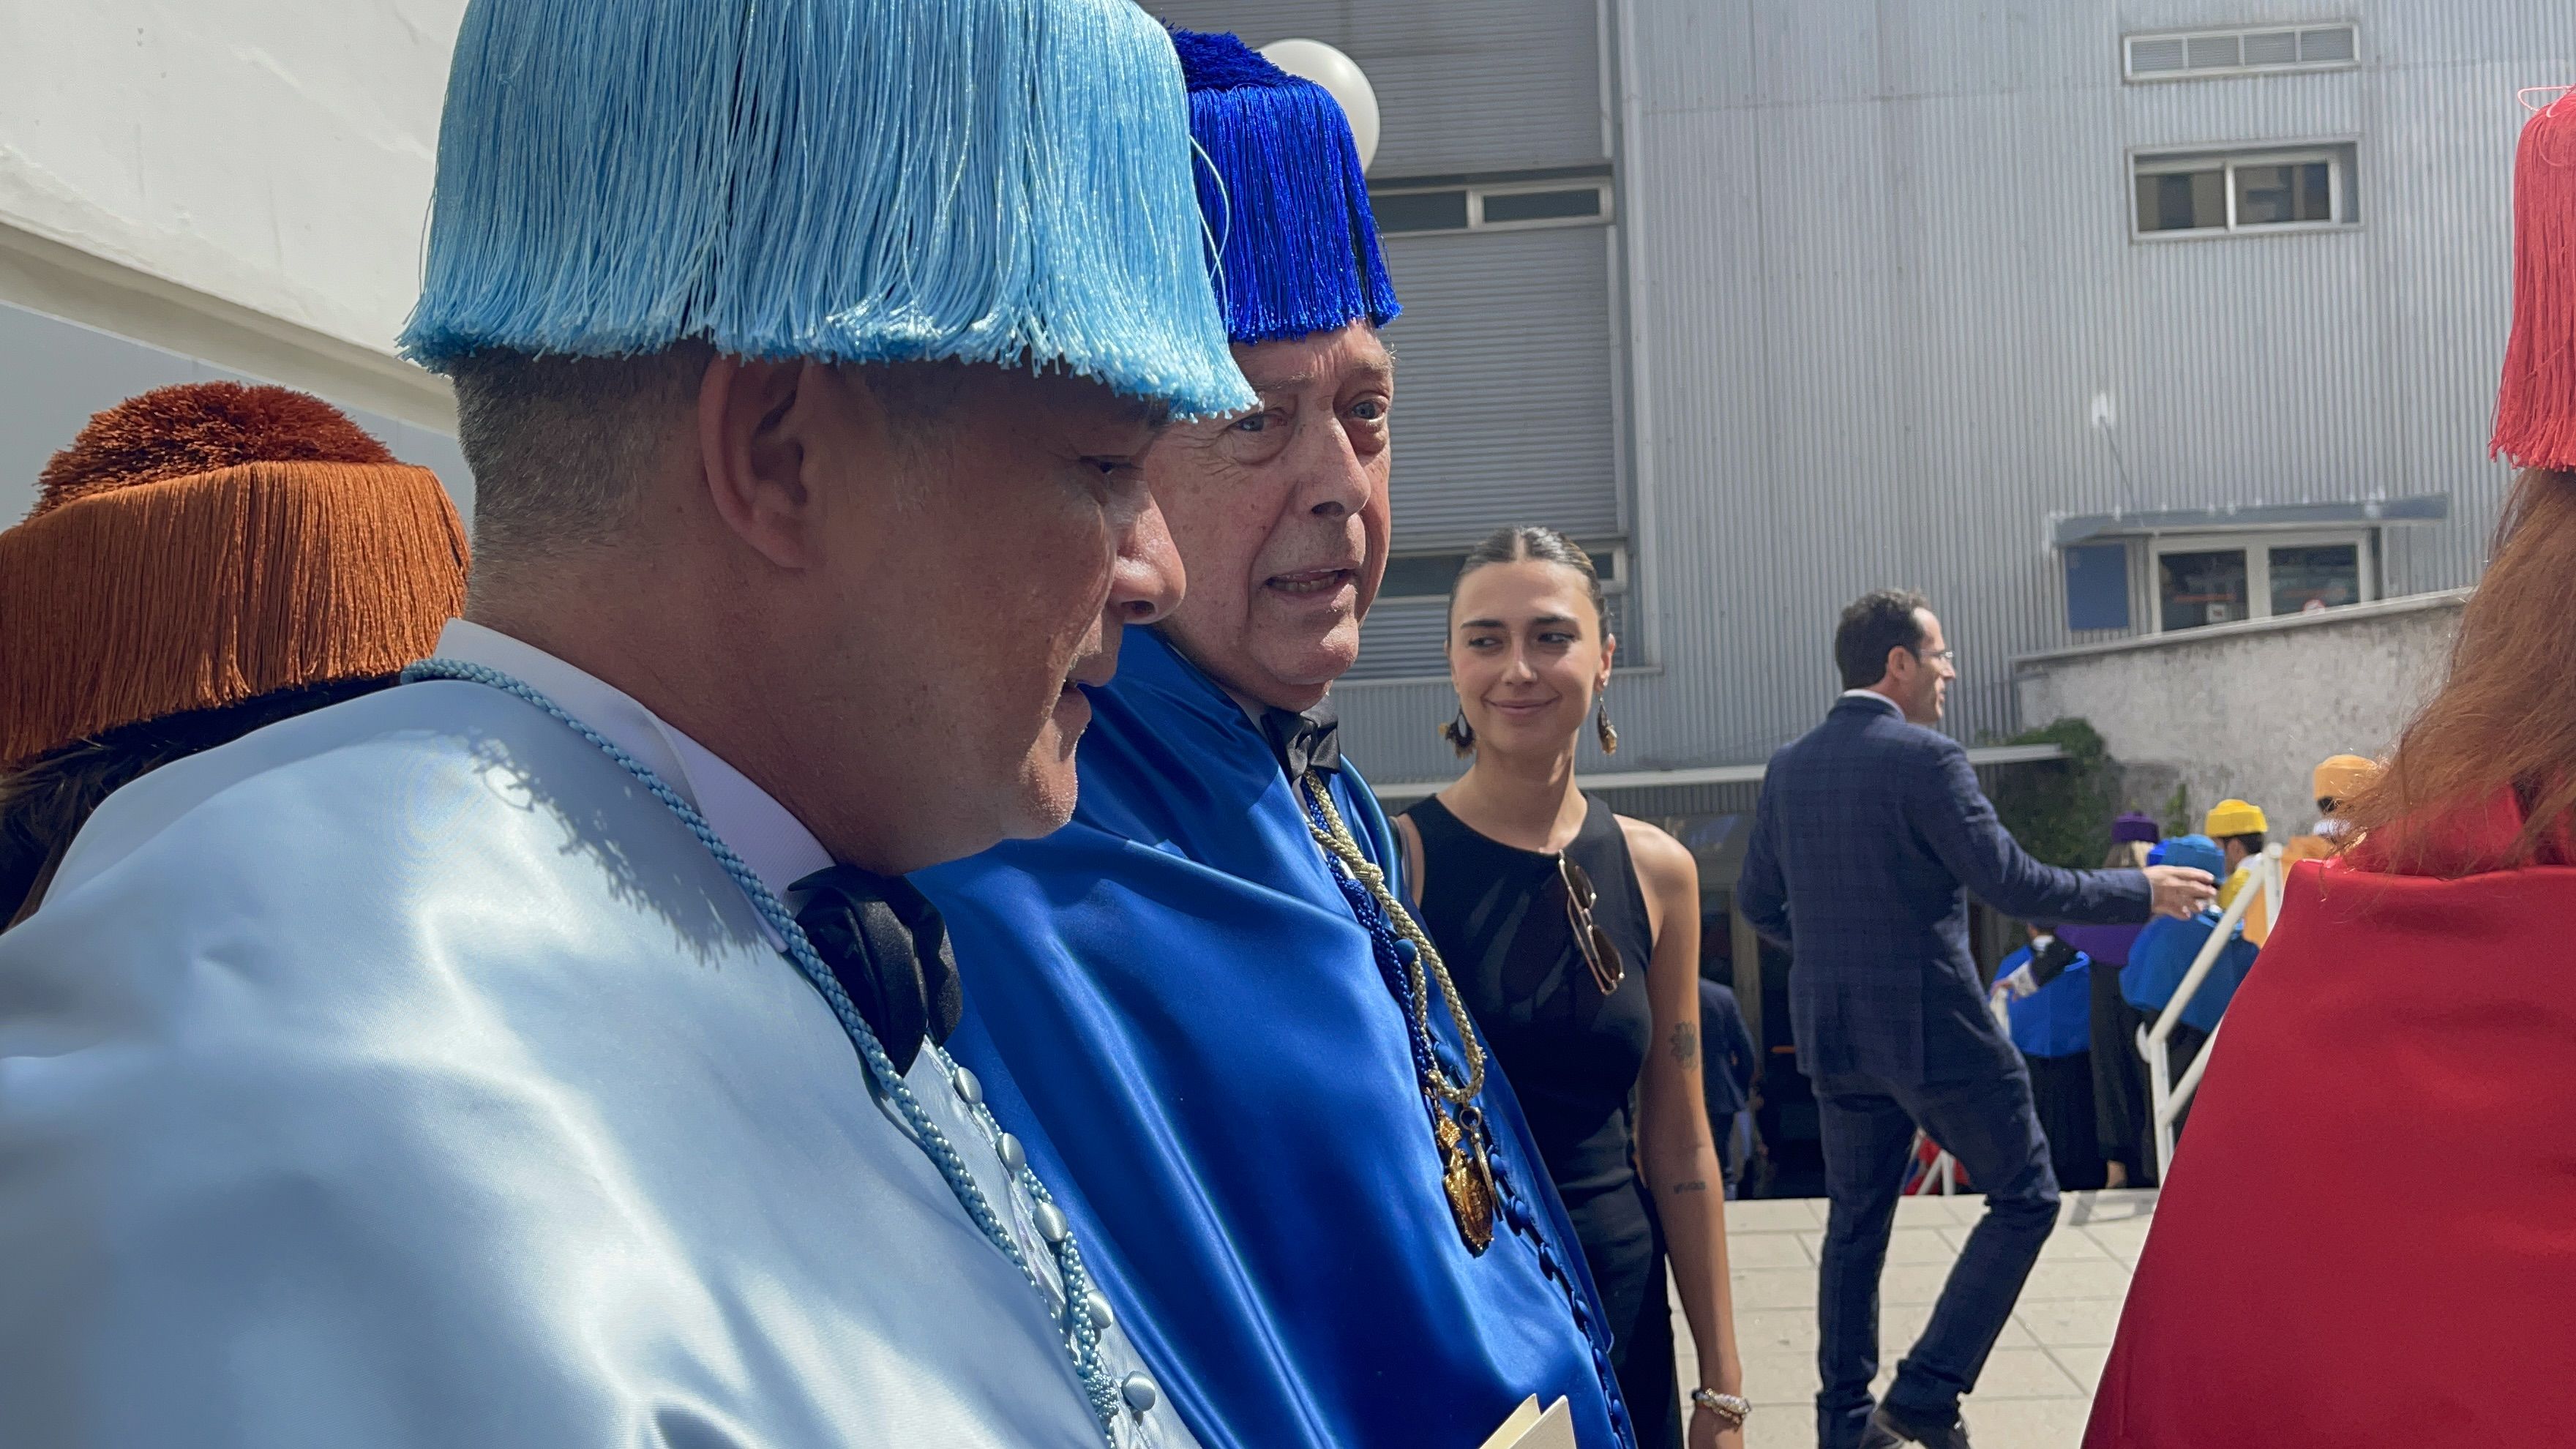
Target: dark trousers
2062	1089
1989	1125
2120	1082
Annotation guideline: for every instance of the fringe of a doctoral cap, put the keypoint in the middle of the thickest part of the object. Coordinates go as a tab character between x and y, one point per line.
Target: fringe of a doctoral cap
995	181
1294	243
2536	406
206	544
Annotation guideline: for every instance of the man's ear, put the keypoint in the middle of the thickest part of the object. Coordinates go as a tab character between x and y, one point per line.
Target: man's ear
1895	671
762	428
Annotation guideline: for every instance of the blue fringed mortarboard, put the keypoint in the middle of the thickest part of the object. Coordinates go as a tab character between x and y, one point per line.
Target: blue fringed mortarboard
1003	181
1287	209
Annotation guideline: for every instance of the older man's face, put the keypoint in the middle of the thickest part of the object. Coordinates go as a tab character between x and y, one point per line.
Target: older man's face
1280	516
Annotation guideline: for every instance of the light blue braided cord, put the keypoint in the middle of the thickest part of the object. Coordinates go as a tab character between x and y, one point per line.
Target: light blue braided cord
1082	1334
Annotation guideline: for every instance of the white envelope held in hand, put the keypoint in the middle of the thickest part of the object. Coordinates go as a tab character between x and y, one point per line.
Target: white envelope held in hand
1528	1428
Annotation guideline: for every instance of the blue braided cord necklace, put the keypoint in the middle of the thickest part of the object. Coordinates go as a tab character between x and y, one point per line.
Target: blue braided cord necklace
1086	1314
1398	961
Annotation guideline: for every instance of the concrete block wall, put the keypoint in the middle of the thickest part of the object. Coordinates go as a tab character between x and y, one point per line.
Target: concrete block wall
2247	710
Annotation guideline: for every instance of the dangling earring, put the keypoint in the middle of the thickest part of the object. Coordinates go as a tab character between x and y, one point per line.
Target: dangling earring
1460	734
1601	723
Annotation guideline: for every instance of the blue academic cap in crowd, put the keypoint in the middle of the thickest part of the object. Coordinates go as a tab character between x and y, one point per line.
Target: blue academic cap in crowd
2195	852
1294	247
998	181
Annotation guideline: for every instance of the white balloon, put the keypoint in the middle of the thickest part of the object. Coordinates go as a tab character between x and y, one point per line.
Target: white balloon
1338	74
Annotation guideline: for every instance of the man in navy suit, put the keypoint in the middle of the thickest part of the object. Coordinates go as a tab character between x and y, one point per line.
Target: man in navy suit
1870	831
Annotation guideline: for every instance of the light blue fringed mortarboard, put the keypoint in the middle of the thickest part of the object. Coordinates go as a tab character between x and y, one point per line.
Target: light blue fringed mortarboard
1296	247
1003	181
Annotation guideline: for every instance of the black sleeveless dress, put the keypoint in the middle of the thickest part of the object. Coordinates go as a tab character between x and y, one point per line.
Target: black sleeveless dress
1573	1055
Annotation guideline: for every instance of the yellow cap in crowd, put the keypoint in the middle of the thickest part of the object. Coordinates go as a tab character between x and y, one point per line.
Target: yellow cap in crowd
2233	817
2343	777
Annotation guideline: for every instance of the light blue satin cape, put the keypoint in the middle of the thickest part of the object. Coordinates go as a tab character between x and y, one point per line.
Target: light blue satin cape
405	1076
1174	998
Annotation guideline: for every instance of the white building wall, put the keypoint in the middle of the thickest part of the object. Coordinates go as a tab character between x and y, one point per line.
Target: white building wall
273	154
197	189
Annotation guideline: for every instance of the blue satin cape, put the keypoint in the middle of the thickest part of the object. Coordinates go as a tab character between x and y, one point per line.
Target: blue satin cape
1171	1000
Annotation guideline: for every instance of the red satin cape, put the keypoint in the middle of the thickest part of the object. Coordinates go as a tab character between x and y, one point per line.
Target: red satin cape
2368	1236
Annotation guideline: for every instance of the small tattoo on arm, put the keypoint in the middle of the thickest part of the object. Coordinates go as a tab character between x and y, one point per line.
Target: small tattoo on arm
1694	1185
1685	1043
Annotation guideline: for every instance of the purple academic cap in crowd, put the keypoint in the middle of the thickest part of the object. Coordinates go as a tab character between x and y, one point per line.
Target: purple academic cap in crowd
2134	826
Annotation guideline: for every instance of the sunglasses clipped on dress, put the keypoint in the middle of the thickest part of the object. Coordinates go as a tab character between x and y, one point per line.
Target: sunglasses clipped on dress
1599	951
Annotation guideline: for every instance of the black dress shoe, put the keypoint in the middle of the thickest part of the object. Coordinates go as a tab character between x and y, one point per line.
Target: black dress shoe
1889	1428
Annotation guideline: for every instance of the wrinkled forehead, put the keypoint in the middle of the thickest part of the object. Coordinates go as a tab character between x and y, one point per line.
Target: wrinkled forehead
1317	361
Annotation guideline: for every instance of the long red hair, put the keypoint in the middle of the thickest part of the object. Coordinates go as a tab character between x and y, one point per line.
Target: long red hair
2505	717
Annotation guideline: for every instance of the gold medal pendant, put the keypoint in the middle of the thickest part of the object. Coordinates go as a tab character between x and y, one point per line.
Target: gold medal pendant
1469	1181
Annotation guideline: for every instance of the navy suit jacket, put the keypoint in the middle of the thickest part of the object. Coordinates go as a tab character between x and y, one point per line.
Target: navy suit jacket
1869	834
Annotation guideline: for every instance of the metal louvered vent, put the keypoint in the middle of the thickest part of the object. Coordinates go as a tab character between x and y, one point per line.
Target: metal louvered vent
2157	56
2214	52
1401	639
2202	54
2272	47
2333	45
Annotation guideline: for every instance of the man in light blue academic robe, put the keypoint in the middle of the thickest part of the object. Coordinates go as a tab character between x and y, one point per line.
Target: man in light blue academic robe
545	1051
1318	1204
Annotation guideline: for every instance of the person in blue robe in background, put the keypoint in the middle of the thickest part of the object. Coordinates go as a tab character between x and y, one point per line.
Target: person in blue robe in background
2162	956
1293	1167
2047	987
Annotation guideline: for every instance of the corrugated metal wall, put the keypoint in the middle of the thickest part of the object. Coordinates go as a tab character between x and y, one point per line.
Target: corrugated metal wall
1462	85
1883	264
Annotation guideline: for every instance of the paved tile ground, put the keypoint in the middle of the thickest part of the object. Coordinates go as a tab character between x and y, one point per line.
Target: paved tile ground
2037	1387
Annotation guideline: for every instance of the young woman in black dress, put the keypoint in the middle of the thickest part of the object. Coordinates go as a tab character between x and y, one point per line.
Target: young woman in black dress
1573	934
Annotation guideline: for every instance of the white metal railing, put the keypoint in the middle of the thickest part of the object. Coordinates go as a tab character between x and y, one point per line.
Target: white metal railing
2166	1097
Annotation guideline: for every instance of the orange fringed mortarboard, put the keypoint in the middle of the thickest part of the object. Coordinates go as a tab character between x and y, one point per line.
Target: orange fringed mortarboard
2536	407
206	544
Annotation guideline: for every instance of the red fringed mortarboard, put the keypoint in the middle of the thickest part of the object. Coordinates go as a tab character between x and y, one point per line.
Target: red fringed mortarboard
2536	407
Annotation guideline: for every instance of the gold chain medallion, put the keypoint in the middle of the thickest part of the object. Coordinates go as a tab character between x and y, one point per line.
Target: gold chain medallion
1469	1181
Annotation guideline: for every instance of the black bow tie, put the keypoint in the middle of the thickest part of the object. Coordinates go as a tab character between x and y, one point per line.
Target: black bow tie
886	943
1303	742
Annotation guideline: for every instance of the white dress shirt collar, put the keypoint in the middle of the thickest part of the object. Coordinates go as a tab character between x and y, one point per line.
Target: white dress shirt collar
1871	694
773	842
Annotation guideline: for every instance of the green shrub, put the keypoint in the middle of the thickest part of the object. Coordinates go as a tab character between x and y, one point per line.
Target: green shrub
2060	810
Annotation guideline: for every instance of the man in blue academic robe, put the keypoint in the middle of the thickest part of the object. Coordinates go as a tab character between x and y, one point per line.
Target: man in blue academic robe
1317	1201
